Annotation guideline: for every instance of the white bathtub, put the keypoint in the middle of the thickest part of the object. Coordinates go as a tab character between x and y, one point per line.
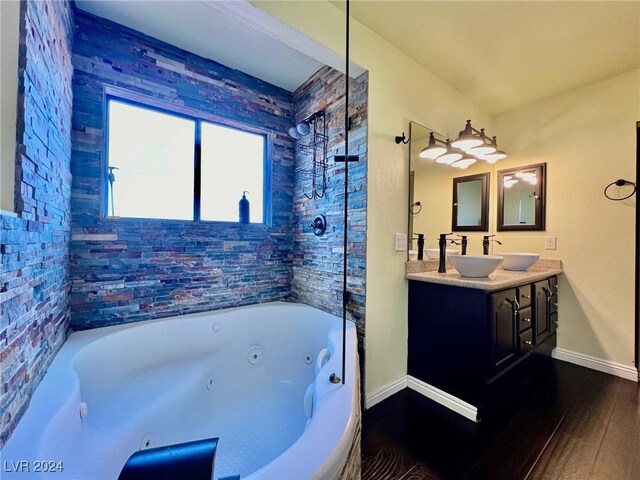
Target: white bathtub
238	374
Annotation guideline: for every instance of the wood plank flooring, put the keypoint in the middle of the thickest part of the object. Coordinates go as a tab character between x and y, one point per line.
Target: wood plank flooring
568	423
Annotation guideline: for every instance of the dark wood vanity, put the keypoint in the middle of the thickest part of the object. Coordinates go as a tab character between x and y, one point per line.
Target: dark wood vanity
479	345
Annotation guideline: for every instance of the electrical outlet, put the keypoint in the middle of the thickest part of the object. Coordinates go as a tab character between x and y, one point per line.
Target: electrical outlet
550	243
401	242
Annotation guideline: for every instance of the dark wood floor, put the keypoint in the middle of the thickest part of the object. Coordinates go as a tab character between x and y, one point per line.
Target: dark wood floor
569	423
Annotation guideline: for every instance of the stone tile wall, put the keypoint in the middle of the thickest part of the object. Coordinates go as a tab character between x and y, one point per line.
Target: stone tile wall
34	279
127	270
318	261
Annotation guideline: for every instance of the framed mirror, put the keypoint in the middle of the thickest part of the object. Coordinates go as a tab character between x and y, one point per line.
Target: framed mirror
470	208
521	198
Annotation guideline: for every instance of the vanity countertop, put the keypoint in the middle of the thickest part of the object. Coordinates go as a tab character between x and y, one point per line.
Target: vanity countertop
498	280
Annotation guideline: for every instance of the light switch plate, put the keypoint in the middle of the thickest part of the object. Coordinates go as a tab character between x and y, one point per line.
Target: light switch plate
400	242
550	243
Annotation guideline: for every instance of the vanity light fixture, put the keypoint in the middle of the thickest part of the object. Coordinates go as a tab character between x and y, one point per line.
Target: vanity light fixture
470	146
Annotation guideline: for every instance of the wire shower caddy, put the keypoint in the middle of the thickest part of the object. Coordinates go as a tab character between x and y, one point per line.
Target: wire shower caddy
314	145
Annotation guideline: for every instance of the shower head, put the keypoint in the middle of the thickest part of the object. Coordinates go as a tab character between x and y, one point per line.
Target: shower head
293	133
303	128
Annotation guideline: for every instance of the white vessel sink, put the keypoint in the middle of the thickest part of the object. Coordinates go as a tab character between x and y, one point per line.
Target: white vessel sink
519	261
434	253
475	266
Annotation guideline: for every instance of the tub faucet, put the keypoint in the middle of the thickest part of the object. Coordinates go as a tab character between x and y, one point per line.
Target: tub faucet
442	245
485	243
463	243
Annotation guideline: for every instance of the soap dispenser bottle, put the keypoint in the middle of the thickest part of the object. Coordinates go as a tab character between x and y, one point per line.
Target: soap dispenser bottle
243	208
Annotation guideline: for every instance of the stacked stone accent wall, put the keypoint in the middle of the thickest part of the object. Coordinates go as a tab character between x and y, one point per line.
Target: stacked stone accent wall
318	261
127	270
34	280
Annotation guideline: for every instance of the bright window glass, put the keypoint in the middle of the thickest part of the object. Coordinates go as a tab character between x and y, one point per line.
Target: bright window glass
154	154
231	161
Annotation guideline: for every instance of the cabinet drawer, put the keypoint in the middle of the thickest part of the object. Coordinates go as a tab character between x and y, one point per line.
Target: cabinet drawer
553	285
526	341
553	304
524	295
524	316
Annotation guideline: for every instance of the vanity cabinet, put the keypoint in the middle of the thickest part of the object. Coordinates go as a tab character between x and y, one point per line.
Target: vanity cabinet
479	345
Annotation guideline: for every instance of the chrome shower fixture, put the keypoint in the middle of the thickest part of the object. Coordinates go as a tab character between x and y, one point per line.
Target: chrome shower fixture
303	128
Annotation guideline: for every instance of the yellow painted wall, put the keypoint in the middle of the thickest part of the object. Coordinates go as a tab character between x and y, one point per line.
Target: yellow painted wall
400	90
587	138
9	21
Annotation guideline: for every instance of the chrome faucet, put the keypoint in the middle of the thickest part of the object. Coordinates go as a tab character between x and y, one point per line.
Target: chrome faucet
485	243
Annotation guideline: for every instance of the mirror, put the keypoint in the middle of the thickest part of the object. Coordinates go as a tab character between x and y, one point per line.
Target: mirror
470	203
521	198
431	189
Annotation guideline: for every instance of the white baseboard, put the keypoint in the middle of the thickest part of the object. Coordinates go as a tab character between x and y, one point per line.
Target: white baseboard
439	396
379	394
443	398
594	363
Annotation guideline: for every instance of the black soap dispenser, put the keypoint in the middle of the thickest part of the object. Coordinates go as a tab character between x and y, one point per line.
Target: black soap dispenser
243	208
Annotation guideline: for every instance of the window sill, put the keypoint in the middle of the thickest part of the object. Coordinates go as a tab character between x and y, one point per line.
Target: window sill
184	222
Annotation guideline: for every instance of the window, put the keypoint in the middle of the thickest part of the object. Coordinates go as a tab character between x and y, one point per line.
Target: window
165	165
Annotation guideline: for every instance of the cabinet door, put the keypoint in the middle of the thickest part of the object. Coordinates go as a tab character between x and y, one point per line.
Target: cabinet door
504	343
542	327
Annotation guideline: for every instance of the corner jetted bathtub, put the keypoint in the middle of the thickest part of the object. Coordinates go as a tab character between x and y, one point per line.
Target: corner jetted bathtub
256	377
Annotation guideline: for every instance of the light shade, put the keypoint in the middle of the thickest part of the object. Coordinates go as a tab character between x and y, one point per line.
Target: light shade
466	143
433	150
431	153
463	163
449	158
482	150
467	139
493	157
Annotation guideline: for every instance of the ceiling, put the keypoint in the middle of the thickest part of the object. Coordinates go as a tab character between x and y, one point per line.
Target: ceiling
212	30
504	54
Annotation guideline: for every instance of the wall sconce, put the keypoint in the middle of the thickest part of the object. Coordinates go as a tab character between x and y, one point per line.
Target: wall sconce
470	146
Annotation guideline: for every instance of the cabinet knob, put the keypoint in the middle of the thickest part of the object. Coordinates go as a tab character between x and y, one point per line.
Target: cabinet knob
528	342
528	320
555	322
555	304
526	296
